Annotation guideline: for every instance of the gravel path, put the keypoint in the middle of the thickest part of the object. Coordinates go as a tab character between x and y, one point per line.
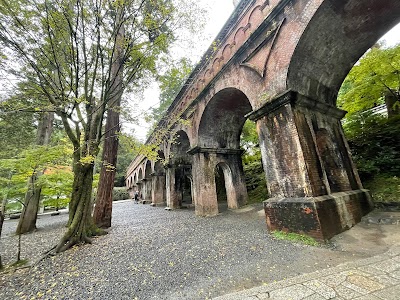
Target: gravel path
151	253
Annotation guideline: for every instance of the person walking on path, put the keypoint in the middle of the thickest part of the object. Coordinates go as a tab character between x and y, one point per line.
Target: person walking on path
136	197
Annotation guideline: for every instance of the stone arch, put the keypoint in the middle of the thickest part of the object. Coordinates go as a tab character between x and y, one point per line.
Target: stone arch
148	169
228	108
159	163
147	181
179	170
240	36
140	174
341	31
255	14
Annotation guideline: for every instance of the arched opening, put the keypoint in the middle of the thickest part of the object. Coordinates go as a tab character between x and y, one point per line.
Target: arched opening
222	198
147	182
348	46
336	36
158	181
223	119
180	171
219	133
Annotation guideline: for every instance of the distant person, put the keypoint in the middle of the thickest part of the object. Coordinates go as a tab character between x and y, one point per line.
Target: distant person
136	197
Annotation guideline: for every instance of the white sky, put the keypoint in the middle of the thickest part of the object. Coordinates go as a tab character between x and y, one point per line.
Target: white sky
218	12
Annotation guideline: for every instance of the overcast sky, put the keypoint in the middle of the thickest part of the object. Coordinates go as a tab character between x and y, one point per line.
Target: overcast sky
218	12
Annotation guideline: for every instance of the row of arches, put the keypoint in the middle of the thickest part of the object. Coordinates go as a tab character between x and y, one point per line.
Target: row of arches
311	178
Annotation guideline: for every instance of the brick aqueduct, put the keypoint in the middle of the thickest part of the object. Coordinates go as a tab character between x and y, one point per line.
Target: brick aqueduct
279	63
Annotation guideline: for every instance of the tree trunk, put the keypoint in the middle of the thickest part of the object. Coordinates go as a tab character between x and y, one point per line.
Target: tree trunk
103	209
1	229
392	102
80	227
27	222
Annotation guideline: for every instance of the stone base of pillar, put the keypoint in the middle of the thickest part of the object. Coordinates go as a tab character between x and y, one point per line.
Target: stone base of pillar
206	211
162	204
319	217
145	201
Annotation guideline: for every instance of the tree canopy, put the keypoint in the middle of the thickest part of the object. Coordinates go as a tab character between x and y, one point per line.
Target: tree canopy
70	58
374	77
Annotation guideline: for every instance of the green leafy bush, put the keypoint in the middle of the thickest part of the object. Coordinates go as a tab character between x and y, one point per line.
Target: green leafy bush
255	181
120	193
384	188
375	144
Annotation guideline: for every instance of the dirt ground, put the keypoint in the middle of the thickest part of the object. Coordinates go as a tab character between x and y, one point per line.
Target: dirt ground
373	235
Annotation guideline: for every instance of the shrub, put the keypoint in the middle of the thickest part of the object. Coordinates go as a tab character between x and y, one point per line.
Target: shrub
120	193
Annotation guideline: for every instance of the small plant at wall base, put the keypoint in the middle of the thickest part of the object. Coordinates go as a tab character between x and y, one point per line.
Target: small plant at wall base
295	237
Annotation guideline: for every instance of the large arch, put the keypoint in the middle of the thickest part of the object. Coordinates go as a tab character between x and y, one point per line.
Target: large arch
147	182
310	173
179	171
223	119
219	143
338	34
158	181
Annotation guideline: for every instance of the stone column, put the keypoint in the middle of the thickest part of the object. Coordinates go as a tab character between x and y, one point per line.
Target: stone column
158	190
204	192
147	189
238	188
204	189
172	194
313	184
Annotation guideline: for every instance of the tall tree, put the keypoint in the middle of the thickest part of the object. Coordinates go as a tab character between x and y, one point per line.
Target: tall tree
67	49
374	80
27	221
103	210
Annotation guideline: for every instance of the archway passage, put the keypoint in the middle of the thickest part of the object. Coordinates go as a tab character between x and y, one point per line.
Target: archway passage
217	158
146	192
179	171
223	119
339	33
317	189
158	181
220	186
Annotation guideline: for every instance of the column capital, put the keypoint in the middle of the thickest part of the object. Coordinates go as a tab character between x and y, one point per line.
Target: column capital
296	100
198	149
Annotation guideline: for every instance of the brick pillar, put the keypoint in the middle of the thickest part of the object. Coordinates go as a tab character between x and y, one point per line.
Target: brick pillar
172	194
204	189
146	191
235	182
158	190
204	192
313	184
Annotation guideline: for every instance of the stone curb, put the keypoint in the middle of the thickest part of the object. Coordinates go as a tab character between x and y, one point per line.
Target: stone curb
263	292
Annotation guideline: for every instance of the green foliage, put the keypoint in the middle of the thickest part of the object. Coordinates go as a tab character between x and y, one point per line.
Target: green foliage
374	141
120	193
171	83
255	181
384	188
252	165
249	142
56	186
376	74
128	148
295	237
14	172
17	129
